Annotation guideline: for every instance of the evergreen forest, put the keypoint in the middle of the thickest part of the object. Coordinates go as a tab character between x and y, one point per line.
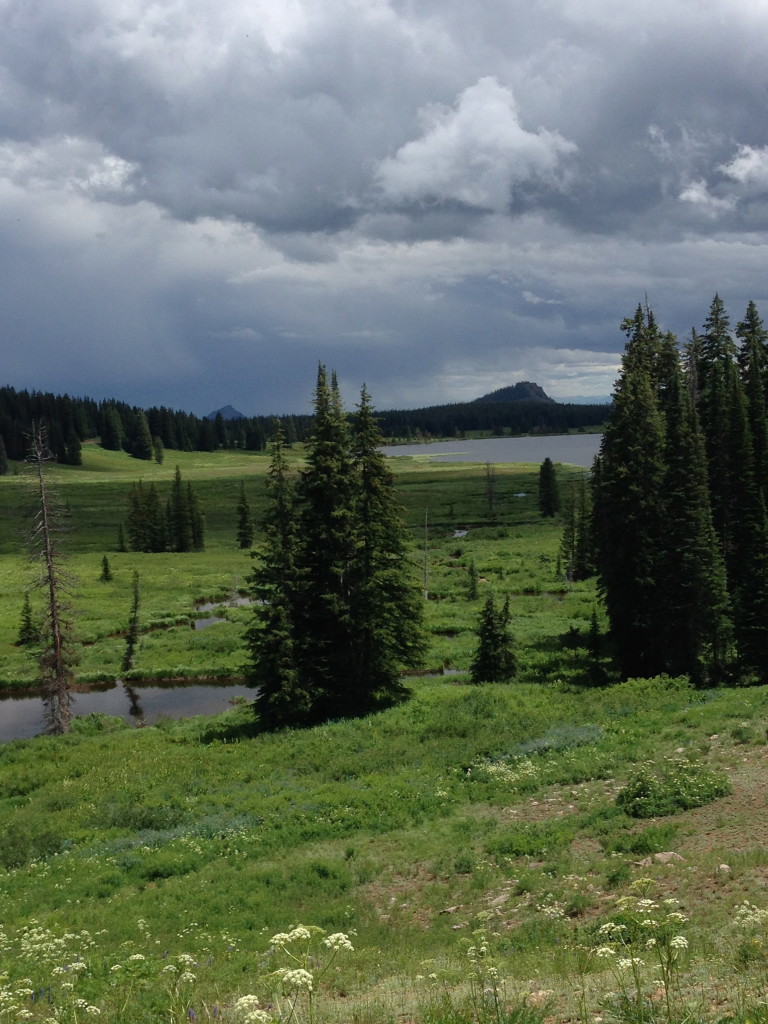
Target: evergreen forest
678	527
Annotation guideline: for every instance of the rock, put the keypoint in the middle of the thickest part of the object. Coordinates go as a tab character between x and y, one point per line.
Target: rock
668	857
658	858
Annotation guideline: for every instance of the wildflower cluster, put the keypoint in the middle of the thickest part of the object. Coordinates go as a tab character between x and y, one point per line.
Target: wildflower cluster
752	924
517	773
309	953
653	928
486	982
674	785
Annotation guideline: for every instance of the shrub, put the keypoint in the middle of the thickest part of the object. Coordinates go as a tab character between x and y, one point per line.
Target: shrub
668	788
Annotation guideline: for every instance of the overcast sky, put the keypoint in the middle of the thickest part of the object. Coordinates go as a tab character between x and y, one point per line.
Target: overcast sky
201	199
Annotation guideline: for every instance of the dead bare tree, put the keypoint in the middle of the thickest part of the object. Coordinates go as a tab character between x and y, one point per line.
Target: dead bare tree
57	659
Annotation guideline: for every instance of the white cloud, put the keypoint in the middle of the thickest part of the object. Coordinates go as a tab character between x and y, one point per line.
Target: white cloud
474	153
697	194
749	168
67	163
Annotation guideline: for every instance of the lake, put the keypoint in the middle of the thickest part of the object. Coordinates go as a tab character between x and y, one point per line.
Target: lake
142	703
575	449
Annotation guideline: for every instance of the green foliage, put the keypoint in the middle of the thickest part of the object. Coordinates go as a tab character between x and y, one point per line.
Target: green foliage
106	571
244	521
141	440
338	615
29	631
669	787
494	659
532	839
549	490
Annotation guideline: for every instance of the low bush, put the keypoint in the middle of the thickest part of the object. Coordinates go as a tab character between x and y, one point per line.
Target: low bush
674	785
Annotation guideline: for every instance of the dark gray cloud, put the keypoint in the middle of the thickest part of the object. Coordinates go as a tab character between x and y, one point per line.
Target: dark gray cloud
199	200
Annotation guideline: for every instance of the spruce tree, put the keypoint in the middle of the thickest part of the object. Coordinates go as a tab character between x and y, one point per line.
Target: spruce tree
753	363
106	571
327	532
715	359
141	446
283	698
494	659
3	457
244	520
747	542
549	491
693	625
197	520
179	516
387	610
158	449
29	632
337	613
111	429
472	590
631	521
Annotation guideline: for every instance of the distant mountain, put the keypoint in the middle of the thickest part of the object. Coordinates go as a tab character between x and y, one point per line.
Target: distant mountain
523	391
228	412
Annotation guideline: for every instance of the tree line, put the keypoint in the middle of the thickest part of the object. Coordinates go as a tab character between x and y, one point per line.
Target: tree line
679	535
141	432
146	433
498	418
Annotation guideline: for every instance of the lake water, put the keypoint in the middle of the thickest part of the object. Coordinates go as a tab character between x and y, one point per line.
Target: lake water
574	449
21	716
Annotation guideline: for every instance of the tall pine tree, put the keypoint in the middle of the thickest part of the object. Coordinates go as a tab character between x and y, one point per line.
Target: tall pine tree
271	640
631	521
339	614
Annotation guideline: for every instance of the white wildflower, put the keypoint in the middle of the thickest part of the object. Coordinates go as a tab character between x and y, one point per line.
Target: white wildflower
338	940
604	951
678	942
296	977
246	1003
626	962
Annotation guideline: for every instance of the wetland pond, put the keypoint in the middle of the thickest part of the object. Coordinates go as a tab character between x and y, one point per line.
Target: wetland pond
143	702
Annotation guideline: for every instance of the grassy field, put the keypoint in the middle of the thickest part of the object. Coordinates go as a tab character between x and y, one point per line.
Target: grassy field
525	853
512	549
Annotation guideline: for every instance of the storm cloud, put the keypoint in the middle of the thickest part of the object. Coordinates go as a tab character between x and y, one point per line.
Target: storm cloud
200	199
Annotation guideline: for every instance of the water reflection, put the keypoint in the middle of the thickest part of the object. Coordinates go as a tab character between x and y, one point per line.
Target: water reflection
138	702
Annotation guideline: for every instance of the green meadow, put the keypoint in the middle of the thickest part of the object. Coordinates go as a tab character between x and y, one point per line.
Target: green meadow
513	552
539	851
